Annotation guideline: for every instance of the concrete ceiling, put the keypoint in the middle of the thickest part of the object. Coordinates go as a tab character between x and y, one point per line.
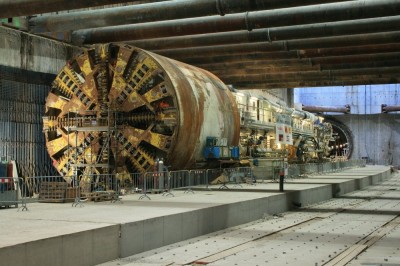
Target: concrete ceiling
257	44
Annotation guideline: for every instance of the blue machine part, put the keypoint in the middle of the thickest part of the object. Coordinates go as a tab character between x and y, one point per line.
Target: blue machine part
235	152
211	141
212	152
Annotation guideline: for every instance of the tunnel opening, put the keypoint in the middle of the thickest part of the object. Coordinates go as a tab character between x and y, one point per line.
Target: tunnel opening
342	143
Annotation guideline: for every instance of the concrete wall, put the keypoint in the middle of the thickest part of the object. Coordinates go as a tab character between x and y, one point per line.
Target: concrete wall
362	99
28	65
25	51
84	248
376	135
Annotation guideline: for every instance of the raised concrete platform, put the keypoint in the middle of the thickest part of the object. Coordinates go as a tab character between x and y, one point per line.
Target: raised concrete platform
359	228
58	234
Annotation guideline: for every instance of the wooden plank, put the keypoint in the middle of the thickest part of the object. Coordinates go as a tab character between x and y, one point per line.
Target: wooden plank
353	251
52	201
225	253
346	256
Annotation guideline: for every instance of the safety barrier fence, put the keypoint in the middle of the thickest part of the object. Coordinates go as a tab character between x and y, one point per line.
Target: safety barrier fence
110	187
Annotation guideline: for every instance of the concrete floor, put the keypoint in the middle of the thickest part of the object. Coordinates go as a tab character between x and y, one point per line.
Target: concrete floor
217	225
359	228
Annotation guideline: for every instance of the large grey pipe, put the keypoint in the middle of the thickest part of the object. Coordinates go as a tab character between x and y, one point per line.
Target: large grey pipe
15	8
331	109
167	10
243	21
390	108
381	24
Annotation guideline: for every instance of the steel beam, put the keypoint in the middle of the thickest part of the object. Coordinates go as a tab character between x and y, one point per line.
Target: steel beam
249	70
328	75
266	58
281	64
291	45
260	66
167	10
361	58
361	26
16	8
220	60
352	50
370	64
245	70
243	21
304	84
311	53
315	56
345	80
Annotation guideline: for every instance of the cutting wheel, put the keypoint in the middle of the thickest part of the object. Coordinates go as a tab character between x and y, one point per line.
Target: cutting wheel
110	107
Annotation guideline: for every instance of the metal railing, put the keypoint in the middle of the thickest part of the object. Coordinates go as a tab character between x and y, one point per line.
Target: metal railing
304	170
19	192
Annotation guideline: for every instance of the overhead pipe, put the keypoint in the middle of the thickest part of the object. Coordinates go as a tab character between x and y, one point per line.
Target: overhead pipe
290	45
16	8
168	10
390	108
159	11
361	26
242	21
323	109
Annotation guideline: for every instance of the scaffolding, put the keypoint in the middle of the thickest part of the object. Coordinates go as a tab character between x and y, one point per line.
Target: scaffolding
90	144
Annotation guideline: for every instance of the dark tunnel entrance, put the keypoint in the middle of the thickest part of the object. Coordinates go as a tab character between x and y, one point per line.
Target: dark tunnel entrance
342	145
